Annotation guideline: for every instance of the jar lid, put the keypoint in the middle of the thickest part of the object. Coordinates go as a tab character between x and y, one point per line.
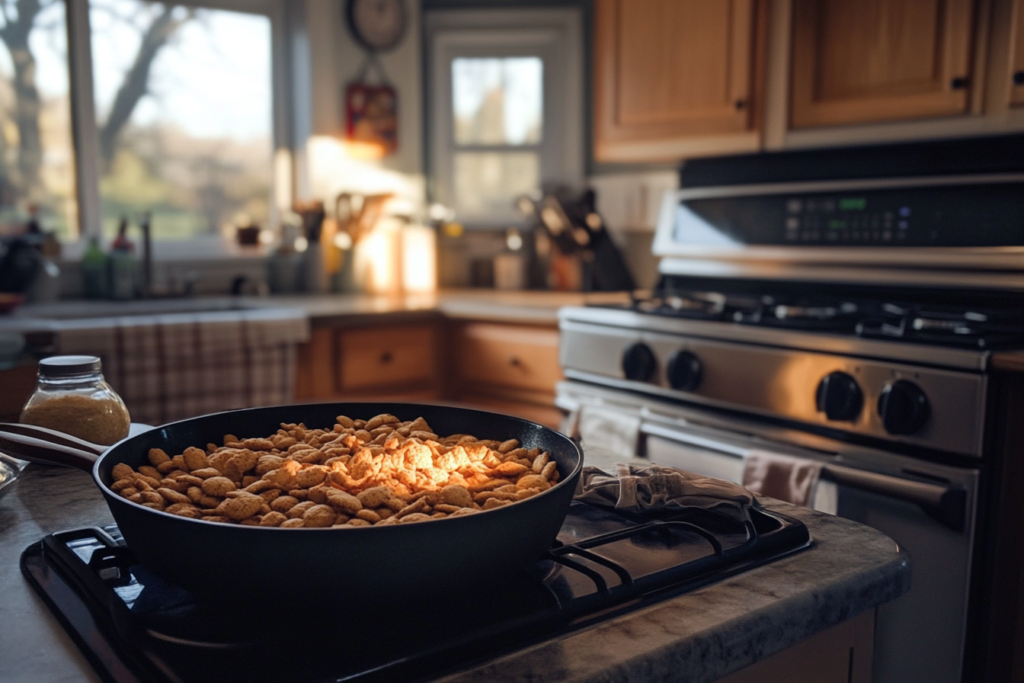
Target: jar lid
63	366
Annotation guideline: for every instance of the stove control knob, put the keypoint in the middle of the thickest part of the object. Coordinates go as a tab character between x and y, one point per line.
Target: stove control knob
839	397
684	371
903	407
639	362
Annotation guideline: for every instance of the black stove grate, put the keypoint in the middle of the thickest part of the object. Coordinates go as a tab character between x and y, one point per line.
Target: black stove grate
985	323
132	626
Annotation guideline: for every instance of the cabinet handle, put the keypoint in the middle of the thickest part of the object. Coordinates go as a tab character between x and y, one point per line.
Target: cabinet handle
740	104
959	83
386	357
515	362
1018	78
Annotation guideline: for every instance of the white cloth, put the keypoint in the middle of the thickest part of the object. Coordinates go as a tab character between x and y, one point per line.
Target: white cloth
784	477
171	367
609	429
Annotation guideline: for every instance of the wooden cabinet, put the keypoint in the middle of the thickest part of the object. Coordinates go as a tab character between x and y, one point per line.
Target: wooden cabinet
503	367
669	72
1017	55
396	357
880	60
378	362
508	368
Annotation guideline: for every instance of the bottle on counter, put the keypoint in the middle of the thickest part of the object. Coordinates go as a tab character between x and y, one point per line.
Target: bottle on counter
72	397
95	280
123	266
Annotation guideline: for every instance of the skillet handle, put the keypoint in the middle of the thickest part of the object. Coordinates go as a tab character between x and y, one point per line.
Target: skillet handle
46	452
52	435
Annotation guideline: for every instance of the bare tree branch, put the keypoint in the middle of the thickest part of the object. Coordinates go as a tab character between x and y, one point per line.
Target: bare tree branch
28	106
136	81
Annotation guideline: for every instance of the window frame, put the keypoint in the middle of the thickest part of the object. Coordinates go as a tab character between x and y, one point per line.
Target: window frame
285	135
555	35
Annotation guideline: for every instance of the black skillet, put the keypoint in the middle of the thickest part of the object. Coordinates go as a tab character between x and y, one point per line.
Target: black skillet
387	565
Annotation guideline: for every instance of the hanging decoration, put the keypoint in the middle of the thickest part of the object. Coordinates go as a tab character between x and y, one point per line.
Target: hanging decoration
371	108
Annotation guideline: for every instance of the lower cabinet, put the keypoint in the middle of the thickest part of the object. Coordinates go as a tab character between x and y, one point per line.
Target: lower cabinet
507	368
370	363
842	654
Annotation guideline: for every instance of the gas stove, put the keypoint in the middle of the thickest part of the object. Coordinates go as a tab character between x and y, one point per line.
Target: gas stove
836	309
132	626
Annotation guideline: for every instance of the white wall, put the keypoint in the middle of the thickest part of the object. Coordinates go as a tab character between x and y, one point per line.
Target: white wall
336	60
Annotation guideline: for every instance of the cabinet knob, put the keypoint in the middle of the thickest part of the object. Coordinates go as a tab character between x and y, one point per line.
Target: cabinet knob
959	83
386	357
1018	78
515	362
740	105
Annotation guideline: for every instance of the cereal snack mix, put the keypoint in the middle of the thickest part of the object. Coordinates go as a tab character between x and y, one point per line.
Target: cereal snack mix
372	472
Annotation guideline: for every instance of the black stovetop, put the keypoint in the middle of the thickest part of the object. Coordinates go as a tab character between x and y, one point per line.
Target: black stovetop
132	626
960	319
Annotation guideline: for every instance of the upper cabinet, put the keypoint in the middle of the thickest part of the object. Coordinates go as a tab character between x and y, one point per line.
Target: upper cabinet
683	78
1017	42
879	60
669	72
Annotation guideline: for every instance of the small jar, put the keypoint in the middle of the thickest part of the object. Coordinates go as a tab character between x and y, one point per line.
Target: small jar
71	397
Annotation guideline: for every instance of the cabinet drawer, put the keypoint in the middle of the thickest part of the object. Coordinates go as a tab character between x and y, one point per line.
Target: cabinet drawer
386	356
514	356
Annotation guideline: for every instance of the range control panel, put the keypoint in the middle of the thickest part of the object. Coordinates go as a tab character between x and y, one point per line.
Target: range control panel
968	215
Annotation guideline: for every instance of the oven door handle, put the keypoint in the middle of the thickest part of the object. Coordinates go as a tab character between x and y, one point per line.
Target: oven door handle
944	504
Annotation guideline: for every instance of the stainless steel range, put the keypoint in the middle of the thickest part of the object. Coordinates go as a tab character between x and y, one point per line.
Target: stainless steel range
815	309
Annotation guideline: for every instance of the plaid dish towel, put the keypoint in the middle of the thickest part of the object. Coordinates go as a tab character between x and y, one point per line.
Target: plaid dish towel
640	488
171	367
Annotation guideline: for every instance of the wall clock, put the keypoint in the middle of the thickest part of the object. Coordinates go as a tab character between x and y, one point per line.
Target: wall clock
378	25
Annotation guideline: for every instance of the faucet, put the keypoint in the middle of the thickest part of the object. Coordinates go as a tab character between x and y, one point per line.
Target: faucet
147	256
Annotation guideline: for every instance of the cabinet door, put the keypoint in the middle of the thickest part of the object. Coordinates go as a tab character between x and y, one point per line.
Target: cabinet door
511	356
1017	65
879	60
402	357
671	69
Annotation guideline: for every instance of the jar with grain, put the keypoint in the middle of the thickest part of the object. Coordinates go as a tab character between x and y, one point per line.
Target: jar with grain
73	398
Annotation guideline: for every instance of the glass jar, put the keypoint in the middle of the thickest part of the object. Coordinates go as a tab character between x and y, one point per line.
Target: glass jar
73	398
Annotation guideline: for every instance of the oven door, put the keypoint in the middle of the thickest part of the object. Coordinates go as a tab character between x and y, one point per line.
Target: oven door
928	509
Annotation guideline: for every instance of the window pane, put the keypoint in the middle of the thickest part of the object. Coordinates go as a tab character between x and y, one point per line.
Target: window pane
488	182
497	101
36	157
183	99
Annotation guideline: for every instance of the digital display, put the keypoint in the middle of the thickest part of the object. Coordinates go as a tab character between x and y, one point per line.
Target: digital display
980	215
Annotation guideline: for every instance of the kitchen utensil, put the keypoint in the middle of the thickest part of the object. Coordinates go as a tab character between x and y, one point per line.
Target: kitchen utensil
358	214
316	568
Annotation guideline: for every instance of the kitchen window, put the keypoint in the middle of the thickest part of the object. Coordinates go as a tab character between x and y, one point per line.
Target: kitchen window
184	117
505	108
112	108
36	153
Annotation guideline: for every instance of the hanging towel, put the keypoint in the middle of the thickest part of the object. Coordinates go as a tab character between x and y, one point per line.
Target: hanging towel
174	366
637	488
784	477
612	429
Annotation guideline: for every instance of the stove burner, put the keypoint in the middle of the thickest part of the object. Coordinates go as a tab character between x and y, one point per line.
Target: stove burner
867	316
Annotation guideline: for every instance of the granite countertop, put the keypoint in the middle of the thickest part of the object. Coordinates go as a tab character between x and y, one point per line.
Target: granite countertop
695	637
